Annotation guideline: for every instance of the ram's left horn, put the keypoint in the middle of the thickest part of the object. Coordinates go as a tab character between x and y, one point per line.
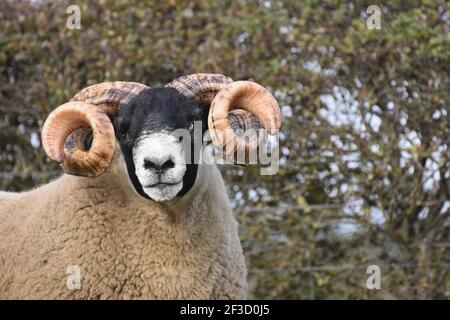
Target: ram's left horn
233	105
248	96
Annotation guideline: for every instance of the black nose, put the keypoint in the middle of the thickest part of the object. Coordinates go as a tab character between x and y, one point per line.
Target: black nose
158	166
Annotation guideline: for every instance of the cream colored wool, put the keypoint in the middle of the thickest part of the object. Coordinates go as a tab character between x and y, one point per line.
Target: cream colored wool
127	247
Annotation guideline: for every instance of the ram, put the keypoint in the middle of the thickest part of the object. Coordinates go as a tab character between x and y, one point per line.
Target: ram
133	218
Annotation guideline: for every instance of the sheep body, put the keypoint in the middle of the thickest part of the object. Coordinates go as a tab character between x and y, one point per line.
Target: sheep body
125	246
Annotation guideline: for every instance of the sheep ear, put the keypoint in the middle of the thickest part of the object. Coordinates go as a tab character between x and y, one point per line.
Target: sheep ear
88	140
81	138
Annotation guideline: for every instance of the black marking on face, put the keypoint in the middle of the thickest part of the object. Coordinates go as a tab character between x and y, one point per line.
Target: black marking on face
160	109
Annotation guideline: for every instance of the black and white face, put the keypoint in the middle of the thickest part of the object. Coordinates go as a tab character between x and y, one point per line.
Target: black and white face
154	153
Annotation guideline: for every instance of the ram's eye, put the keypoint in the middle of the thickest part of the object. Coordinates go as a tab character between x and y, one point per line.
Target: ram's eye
123	129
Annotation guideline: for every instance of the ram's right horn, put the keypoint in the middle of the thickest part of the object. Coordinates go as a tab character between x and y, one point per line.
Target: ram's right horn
88	110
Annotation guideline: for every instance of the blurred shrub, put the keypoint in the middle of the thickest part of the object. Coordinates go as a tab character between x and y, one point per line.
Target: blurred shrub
365	137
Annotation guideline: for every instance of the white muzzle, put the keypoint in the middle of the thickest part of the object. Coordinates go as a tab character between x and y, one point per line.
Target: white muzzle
160	165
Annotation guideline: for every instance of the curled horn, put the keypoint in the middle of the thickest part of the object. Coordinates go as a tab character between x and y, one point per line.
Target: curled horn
233	105
88	110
